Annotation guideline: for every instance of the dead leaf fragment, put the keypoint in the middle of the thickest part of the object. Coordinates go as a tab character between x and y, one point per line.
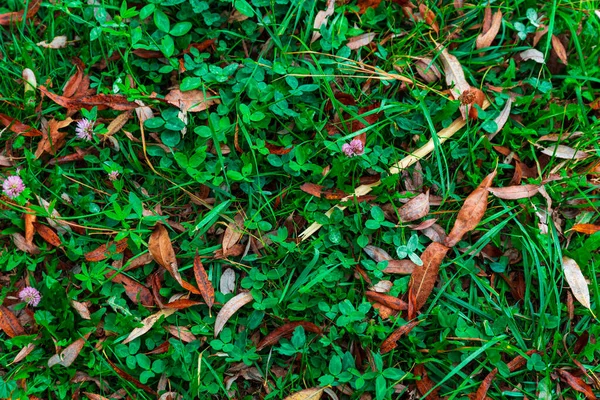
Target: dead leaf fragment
377	254
9	323
117	123
148	323
53	139
359	41
427	69
136	292
227	283
403	267
389	301
69	354
363	5
515	192
307	394
81	309
161	249
588	229
24	352
101	101
182	333
321	19
322	192
455	76
204	284
576	281
560	50
424	276
18	127
47	234
286	330
21	244
230	308
106	250
234	232
17	16
502	118
58	42
390	342
564	152
486	37
533	54
416	208
191	100
576	384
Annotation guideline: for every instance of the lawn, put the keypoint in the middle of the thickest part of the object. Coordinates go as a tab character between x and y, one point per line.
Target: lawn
280	199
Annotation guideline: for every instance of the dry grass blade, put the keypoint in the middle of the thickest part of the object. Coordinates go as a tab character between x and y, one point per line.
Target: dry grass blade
230	308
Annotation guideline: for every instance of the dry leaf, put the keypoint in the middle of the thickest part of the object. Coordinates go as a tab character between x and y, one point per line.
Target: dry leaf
588	229
559	49
136	292
469	99
101	101
79	83
389	301
404	267
425	384
471	212
53	139
69	354
502	118
455	76
182	333
377	254
427	69
429	17
148	323
576	281
161	249
130	378
515	192
81	309
227	283
390	342
18	127
359	41
21	244
363	5
533	54
106	250
486	37
307	394
416	208
321	19
117	123
181	304
206	288
424	276
286	330
321	192
29	219
234	232
576	384
9	323
47	234
230	308
58	42
191	100
17	16
516	363
24	352
564	152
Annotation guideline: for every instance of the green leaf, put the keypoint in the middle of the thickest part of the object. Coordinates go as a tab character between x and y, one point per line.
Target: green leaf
147	11
245	8
335	365
162	21
190	83
181	28
167	46
154	123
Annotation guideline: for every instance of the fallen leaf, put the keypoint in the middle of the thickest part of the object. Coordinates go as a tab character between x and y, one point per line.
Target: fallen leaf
377	254
9	323
58	42
53	139
230	308
29	219
423	225
47	234
117	123
564	152
148	323
436	233
576	384
277	150
204	284
515	192
69	354
427	69
21	244
101	101
234	232
424	276
181	304
161	249
382	286
429	17
79	83
469	99
588	229
24	352
286	330
94	396
130	378
416	208
81	309
321	19
559	49
191	100
471	212
425	384
136	292
390	342
307	394
363	5
404	267
576	281
516	363
486	37
182	333
455	76
359	41
227	283
321	192
533	54
501	118
389	301
17	16
18	127
106	250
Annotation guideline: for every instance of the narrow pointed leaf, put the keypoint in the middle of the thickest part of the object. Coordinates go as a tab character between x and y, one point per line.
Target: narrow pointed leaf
286	330
230	308
148	323
424	276
161	249
204	284
576	281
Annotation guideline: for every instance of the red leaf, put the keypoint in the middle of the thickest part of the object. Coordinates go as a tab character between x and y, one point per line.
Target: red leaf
424	276
182	304
286	330
576	384
47	234
9	323
102	252
18	127
390	343
389	301
206	288
101	101
17	16
588	229
133	289
425	384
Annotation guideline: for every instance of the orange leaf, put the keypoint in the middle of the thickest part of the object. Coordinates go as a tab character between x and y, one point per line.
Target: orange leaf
161	249
17	16
471	212
390	343
47	234
286	330
320	191
29	219
182	304
9	323
424	276
425	384
79	83
133	289
588	229
206	288
102	252
488	35
53	139
101	101
277	150
389	301
18	127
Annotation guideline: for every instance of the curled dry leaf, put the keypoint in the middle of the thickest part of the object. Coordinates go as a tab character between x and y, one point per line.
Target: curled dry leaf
390	343
307	394
9	323
161	249
286	330
47	234
191	100
424	276
423	225
79	83
69	354
576	281
117	123
565	152
560	50
29	219
17	16
533	54
181	304
416	208
58	42
204	284
577	384
230	308
389	301
363	5
471	212
588	229
359	41
321	19
148	323
106	250
515	192
486	37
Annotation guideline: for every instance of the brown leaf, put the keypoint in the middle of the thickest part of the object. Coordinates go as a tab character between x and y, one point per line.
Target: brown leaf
307	394
321	192
101	101
181	304
427	69
230	308
359	41
423	225
47	234
429	17
576	383
79	83
469	99
94	396
130	378
376	253
389	301
577	281
501	118
17	16
436	233
161	249
21	244
424	276
9	323
471	212
204	284
416	208
29	219
69	354
516	363
321	19
588	229
286	330
486	37
277	150
191	100
182	333
559	49
81	309
58	42
455	76
117	123
234	232
24	352
106	250
404	267
18	127
390	343
53	139
134	290
363	5
148	323
425	384
565	152
515	192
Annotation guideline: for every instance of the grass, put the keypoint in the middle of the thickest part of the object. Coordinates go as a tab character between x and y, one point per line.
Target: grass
501	292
